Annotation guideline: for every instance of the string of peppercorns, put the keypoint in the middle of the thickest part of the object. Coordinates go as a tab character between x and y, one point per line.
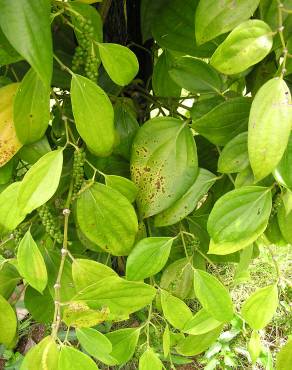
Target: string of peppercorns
78	170
50	224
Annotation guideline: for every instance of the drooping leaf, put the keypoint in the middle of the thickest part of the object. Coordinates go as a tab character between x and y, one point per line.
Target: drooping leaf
238	218
267	140
95	209
120	62
148	257
31	111
123	185
283	171
94	115
150	361
72	359
202	322
195	76
234	156
176	312
225	121
188	202
216	17
26	24
86	272
122	297
163	163
9	142
8	322
260	307
245	46
284	357
124	342
196	344
31	264
213	296
40	181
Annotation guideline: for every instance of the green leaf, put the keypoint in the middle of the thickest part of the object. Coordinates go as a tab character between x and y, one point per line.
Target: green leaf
96	344
86	272
124	342
196	344
202	322
72	359
214	18
122	297
188	202
123	185
33	152
234	156
213	296
40	182
284	221
162	84
163	163
150	361
8	322
31	264
40	306
195	76
8	55
241	273
225	121
166	341
176	312
26	24
148	257
284	357
283	171
238	218
205	105
31	111
95	209
11	214
254	346
94	115
9	278
244	178
267	140
259	309
43	356
120	62
245	46
149	9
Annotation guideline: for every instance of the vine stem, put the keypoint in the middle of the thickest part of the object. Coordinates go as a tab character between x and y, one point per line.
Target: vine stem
64	252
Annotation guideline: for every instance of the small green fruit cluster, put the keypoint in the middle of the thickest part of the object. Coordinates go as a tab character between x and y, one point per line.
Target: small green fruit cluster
78	170
50	224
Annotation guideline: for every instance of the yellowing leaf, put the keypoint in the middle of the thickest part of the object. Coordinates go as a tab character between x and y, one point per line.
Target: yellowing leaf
79	315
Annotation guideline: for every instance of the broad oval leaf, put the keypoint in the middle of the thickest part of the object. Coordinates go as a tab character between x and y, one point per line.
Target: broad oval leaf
9	142
31	264
284	357
8	322
225	121
40	182
259	309
95	209
72	359
245	46
234	156
176	312
10	214
27	26
94	115
238	218
124	342
188	202
202	322
283	171
163	163
195	76
213	296
122	297
123	185
267	140
148	257
120	62
31	111
216	17
150	361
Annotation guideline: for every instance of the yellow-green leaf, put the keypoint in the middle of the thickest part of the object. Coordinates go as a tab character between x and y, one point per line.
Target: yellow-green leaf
8	322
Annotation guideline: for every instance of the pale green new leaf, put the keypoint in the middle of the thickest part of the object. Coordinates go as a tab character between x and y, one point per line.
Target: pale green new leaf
176	312
120	62
150	361
8	322
40	182
259	309
267	139
254	346
72	359
245	46
31	264
94	115
148	257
